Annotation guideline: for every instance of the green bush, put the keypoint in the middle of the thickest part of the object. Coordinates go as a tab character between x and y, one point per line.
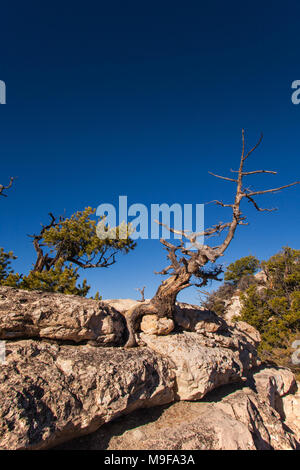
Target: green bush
275	309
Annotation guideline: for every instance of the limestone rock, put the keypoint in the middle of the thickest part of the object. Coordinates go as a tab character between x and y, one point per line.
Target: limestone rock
228	419
51	393
37	314
233	309
153	325
261	277
251	333
290	411
202	363
194	318
234	305
188	317
121	305
273	382
52	390
278	386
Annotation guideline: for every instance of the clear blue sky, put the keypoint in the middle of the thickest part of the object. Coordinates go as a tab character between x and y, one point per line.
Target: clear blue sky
143	99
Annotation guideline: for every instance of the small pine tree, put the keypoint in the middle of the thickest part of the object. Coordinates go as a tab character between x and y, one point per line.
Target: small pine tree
61	279
242	267
61	245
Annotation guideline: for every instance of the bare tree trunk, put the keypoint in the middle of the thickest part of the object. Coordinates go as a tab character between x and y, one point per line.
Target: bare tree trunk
166	294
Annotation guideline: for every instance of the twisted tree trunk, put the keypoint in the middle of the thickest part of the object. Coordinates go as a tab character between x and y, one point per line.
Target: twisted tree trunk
191	263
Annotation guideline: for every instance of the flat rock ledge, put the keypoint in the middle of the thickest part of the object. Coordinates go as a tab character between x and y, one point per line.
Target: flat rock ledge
229	418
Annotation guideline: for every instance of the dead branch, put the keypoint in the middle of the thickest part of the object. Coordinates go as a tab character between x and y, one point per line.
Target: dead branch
2	187
142	292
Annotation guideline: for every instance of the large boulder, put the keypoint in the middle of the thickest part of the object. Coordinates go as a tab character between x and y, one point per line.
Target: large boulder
194	318
37	314
274	383
51	393
279	387
204	362
153	325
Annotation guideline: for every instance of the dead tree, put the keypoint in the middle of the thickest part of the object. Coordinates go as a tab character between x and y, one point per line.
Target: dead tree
186	266
2	187
142	292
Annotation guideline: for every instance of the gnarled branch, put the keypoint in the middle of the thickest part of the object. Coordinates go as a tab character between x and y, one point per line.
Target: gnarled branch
2	187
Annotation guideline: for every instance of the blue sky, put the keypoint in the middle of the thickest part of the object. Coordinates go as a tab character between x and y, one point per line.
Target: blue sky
143	99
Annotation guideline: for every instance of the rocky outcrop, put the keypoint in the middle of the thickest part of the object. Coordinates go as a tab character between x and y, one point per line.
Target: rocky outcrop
122	305
279	387
234	305
233	308
194	318
36	314
202	363
51	393
63	379
207	355
249	332
228	419
290	410
274	383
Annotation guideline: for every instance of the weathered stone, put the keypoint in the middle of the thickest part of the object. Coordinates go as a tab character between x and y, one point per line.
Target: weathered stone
277	385
228	419
37	314
194	318
51	393
251	333
233	309
290	411
153	325
234	305
261	277
274	382
202	363
121	305
188	317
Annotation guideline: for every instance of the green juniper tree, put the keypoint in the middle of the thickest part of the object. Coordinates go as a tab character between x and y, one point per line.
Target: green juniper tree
242	267
275	309
66	242
63	247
